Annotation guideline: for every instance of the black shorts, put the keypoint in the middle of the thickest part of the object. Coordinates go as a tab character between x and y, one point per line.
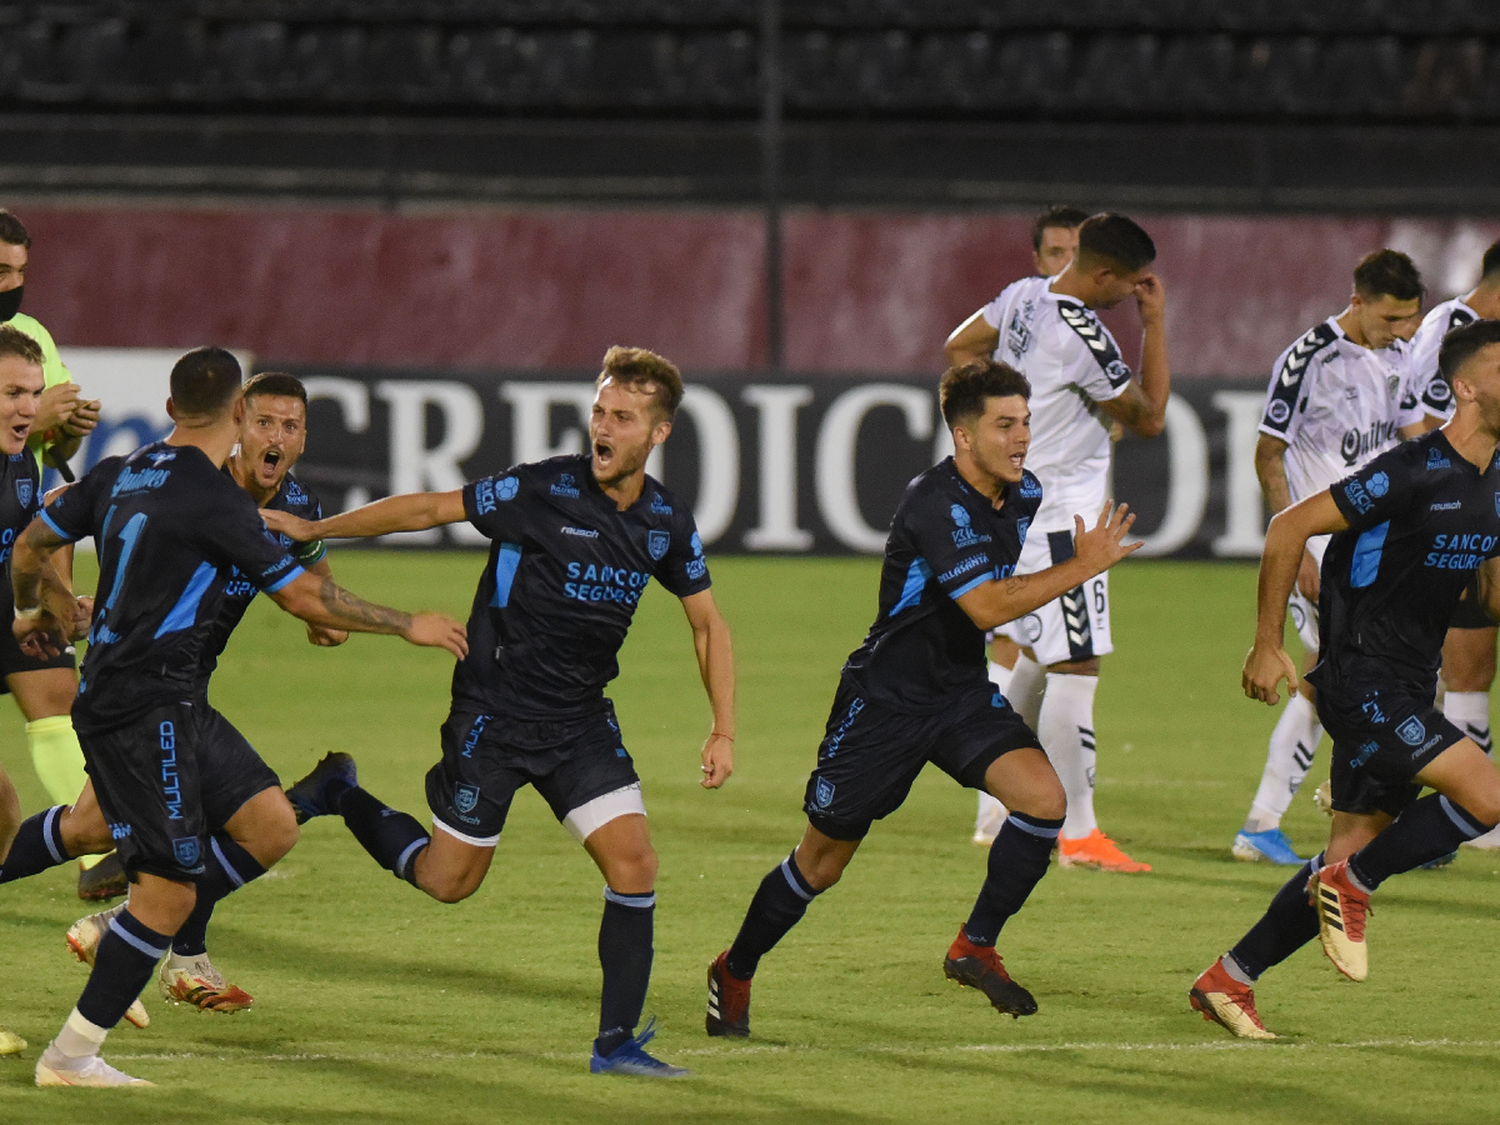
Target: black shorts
1469	613
13	660
1381	739
486	759
167	780
871	754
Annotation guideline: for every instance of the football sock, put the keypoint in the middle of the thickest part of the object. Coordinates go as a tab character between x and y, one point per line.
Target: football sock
1469	711
1028	679
123	965
1289	923
38	845
1428	829
1066	728
625	956
1018	860
57	757
227	868
1289	756
392	837
778	905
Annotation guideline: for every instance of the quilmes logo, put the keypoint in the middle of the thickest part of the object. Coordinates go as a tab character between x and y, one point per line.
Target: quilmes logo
1436	460
566	486
139	480
1359	444
965	535
24	491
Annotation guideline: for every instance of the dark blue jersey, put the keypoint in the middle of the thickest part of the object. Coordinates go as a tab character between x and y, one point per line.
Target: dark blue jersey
240	591
170	529
565	573
1421	522
20	501
923	650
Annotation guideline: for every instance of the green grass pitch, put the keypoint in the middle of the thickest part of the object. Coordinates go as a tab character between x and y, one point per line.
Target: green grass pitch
377	1005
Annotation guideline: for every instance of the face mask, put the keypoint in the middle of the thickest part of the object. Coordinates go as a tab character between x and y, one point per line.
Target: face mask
10	302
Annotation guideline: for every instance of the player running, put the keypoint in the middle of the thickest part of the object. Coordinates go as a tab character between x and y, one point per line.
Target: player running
169	770
1339	396
1046	329
916	692
1409	529
575	540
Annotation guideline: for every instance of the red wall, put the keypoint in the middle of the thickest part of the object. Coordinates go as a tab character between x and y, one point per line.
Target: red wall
865	291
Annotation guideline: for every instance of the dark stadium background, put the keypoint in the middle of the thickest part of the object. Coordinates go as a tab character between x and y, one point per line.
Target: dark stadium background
805	195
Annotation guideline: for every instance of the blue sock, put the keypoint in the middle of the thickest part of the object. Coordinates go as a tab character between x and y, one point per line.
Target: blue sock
38	845
1428	829
625	954
391	837
1289	923
778	905
1018	860
227	868
122	967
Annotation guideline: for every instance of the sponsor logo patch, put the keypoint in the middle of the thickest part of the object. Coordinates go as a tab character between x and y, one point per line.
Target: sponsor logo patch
1278	412
566	486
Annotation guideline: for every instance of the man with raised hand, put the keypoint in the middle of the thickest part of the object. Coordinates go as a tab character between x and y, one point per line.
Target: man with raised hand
1408	531
916	691
168	770
574	542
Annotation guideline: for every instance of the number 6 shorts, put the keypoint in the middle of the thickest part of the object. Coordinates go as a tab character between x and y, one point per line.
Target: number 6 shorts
1074	626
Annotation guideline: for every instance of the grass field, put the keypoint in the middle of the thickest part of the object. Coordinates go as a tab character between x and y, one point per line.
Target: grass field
375	1004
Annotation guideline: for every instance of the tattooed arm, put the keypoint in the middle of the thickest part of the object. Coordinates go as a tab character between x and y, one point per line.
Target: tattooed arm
319	600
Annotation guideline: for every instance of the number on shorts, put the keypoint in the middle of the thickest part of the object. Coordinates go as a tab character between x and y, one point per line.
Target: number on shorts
1099	599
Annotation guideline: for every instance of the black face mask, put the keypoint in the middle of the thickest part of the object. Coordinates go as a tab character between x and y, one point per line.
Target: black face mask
10	302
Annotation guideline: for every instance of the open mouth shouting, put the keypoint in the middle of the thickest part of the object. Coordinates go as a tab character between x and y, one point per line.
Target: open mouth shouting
604	457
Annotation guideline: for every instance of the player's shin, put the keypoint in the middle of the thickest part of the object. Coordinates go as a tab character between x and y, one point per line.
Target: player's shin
38	845
228	868
1017	861
1428	828
1289	923
778	905
123	965
392	838
625	953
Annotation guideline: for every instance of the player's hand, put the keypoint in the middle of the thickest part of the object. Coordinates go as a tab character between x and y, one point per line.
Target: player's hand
284	523
438	630
1103	545
83	614
1265	667
39	637
83	419
324	637
718	760
1151	299
1309	582
56	406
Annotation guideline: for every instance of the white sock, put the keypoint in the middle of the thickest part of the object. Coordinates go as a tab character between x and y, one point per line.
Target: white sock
1000	677
79	1038
1066	728
1288	758
1469	711
1027	683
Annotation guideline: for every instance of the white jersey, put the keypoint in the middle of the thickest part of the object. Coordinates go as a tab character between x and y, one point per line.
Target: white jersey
1073	364
1337	404
1433	391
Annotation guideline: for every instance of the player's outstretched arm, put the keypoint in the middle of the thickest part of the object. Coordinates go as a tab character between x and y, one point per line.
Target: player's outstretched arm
715	654
973	339
414	511
1095	550
46	610
1286	541
322	601
320	635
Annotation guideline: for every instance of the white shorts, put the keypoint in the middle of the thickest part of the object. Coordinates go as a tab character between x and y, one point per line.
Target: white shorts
1305	612
1072	627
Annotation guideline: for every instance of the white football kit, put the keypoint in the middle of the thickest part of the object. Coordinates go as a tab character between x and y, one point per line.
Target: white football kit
1434	393
1072	364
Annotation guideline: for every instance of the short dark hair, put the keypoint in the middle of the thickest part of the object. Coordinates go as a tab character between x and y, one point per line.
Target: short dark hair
1461	345
1113	240
204	382
15	342
1491	264
647	372
1058	215
276	383
963	389
1388	273
13	231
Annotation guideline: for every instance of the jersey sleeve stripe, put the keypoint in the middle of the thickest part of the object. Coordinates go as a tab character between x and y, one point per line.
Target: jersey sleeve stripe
987	576
916	580
61	534
1099	342
283	580
1286	384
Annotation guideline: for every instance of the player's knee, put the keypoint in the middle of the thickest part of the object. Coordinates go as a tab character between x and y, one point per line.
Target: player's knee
84	831
449	886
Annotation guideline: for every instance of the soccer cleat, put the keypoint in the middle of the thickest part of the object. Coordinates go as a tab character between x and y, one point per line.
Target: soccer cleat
1489	842
52	1070
104	881
1323	798
1271	844
83	939
979	966
1228	1003
630	1058
1341	908
309	797
728	1001
195	981
10	1042
1096	850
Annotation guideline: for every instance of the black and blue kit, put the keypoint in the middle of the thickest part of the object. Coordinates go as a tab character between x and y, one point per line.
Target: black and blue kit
20	501
171	531
917	691
566	570
1422	520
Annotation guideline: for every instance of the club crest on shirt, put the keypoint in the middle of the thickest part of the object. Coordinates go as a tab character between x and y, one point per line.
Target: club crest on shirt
1411	731
23	491
186	850
657	543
